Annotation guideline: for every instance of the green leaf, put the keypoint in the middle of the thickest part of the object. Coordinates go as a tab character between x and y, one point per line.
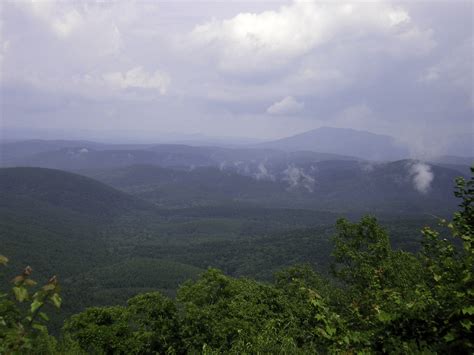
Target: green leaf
35	305
330	330
56	299
323	333
40	327
437	277
49	287
467	277
44	316
466	323
449	337
3	260
468	310
384	317
21	293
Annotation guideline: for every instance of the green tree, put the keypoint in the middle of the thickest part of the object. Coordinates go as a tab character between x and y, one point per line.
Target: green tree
154	319
147	325
220	311
405	302
448	291
22	320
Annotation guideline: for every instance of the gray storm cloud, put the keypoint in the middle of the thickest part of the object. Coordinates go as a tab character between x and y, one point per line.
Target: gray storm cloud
263	70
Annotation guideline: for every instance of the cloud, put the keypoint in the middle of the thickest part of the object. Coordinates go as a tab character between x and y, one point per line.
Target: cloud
286	106
454	71
138	78
431	74
356	116
297	177
263	174
271	39
422	177
66	25
398	68
67	46
92	25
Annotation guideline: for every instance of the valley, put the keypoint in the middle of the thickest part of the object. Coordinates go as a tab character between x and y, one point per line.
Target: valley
112	224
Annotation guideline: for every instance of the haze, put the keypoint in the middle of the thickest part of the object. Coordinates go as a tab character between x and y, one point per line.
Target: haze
155	71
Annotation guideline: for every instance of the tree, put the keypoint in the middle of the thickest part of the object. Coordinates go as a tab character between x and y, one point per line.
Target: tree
22	320
413	302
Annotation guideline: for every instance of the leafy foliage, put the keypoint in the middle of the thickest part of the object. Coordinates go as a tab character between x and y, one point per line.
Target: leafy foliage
22	320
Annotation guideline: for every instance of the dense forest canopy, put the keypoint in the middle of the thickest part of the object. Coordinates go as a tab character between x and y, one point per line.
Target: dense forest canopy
377	299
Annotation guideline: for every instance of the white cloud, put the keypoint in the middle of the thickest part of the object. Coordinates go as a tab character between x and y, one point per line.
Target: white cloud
320	77
263	173
61	41
422	177
85	25
359	116
138	78
430	75
286	106
296	177
68	23
4	43
270	39
454	71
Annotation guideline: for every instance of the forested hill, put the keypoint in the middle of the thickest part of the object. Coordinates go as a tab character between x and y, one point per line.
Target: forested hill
376	300
66	191
399	187
54	218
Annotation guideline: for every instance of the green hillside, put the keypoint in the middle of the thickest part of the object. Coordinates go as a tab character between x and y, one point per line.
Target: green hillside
74	193
106	245
180	188
341	186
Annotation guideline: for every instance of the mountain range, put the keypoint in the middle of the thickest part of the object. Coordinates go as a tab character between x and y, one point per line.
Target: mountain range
312	146
364	145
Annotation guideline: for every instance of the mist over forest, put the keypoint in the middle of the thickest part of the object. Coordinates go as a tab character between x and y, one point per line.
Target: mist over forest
288	177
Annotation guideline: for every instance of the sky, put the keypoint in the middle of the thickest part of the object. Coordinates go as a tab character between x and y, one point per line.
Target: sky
255	69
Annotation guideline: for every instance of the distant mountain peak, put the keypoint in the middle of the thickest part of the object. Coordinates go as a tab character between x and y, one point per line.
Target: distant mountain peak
343	141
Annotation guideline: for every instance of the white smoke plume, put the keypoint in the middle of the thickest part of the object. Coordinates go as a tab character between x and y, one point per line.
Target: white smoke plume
297	177
263	174
422	176
367	166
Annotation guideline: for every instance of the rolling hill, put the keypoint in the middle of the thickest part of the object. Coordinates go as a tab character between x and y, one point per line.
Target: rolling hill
405	186
76	155
72	193
54	219
107	245
185	188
